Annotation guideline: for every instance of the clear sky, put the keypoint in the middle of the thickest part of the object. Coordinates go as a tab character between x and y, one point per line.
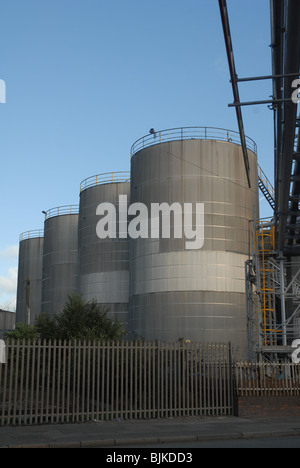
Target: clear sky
86	78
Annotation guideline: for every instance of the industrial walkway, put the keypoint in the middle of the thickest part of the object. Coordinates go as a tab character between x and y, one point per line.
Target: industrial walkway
143	432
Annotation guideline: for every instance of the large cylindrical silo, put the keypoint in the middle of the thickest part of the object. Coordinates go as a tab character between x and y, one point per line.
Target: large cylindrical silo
29	290
60	259
104	262
179	290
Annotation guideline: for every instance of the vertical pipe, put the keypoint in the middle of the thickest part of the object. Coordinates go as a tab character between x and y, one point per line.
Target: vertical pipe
282	296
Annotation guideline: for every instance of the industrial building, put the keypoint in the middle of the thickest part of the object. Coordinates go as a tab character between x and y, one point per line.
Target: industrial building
7	321
243	285
272	272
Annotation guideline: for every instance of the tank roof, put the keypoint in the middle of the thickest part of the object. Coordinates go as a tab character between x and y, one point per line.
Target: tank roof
62	211
35	233
190	133
105	178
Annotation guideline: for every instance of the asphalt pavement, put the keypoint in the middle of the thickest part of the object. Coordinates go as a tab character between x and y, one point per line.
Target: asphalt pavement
144	432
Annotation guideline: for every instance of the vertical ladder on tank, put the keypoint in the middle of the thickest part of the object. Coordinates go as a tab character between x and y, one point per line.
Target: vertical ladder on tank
265	245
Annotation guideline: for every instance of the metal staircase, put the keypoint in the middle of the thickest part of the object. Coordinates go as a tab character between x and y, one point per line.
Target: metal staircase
266	187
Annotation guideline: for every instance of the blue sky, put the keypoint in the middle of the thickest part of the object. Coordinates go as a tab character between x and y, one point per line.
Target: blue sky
86	78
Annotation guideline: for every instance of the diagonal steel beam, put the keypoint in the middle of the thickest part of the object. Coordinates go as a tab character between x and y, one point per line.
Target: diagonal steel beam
233	77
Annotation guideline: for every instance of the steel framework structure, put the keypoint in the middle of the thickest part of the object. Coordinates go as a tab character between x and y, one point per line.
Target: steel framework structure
272	273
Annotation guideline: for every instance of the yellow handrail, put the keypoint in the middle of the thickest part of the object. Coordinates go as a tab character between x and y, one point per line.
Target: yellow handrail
265	241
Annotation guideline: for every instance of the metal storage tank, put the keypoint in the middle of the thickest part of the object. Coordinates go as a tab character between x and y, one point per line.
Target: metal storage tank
29	289
197	295
60	259
7	321
103	263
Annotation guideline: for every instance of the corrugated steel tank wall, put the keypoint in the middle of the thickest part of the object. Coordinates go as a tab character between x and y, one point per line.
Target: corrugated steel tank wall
30	268
7	321
197	295
103	263
60	259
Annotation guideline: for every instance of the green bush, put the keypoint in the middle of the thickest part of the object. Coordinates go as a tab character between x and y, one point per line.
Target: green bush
79	320
22	332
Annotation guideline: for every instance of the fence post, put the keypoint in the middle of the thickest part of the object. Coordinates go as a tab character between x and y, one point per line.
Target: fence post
231	380
157	379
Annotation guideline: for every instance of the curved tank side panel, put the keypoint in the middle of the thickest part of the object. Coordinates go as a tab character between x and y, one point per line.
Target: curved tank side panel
193	294
29	279
7	321
103	263
60	261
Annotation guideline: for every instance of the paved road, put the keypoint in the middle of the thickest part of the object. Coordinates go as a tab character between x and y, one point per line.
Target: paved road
266	442
198	431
